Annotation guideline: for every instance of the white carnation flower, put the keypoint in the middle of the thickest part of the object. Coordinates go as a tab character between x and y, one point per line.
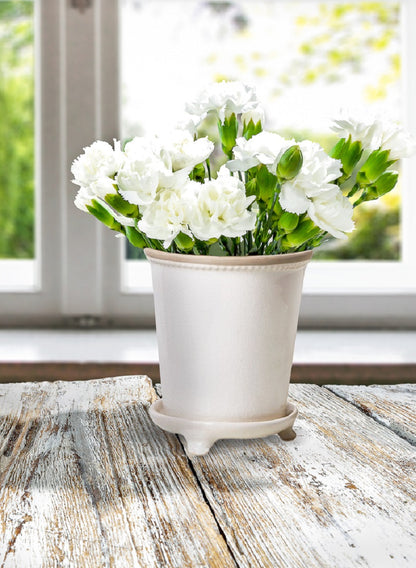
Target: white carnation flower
165	217
99	160
400	142
138	178
315	177
102	187
189	122
83	198
362	129
375	132
263	148
221	208
181	151
225	98
332	211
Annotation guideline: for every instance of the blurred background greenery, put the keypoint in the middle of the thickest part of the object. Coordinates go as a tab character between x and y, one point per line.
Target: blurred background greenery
334	40
16	130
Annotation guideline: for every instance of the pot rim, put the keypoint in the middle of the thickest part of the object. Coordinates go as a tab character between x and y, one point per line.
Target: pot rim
256	260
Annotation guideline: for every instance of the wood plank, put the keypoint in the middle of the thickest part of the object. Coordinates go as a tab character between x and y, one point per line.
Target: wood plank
86	479
341	494
393	406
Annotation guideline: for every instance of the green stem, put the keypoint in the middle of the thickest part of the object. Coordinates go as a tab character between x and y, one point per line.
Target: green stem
224	243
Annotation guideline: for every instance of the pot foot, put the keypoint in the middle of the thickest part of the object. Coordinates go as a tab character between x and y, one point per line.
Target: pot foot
196	447
200	435
287	435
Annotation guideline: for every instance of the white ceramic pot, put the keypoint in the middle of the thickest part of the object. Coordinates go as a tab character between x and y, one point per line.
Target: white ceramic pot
226	330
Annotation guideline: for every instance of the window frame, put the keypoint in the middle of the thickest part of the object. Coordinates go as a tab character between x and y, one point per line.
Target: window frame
80	268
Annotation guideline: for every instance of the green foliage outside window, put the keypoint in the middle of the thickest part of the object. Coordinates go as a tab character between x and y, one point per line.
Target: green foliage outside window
16	130
17	120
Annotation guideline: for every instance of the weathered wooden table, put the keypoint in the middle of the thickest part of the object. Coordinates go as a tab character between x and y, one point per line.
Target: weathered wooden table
86	479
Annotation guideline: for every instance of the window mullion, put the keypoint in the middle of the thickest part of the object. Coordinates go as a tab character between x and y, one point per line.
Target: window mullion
81	275
408	226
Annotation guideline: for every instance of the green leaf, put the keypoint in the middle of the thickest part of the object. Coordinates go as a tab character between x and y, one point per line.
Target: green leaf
288	222
135	237
251	187
121	205
103	215
306	230
125	142
184	242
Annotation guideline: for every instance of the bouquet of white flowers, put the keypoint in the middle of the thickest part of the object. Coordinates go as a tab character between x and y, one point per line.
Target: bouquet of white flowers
271	196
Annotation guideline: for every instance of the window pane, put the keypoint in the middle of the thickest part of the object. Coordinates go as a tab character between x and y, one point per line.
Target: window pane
16	131
307	59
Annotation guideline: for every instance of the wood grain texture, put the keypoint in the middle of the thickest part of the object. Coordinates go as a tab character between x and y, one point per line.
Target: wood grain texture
342	494
393	406
87	480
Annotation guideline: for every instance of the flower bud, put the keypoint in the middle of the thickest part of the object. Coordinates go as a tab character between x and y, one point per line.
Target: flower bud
252	122
228	131
251	128
290	163
266	184
338	149
376	164
351	156
198	173
386	182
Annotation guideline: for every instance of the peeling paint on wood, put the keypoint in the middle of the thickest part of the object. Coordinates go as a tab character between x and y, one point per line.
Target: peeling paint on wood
87	480
342	494
393	406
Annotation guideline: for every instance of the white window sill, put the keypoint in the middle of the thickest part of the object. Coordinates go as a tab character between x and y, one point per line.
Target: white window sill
320	356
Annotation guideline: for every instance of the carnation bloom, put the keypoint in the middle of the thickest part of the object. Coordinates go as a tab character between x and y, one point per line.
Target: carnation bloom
99	160
221	208
138	177
315	177
400	143
165	217
375	133
263	148
181	151
225	98
83	198
162	162
332	211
